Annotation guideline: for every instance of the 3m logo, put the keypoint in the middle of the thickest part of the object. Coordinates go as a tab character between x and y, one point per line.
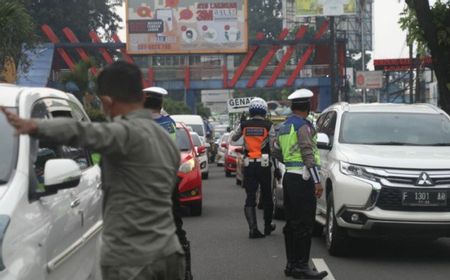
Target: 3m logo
424	180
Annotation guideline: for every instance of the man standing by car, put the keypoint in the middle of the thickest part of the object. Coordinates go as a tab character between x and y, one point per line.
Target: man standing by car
257	132
139	166
154	101
296	148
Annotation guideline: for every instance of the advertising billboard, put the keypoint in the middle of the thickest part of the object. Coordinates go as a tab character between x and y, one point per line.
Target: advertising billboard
310	8
187	26
369	79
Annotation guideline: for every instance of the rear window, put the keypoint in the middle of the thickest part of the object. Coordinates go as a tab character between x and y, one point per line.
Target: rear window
8	149
196	140
183	141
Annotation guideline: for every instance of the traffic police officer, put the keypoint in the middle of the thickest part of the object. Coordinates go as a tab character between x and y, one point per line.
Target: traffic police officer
296	148
257	132
154	101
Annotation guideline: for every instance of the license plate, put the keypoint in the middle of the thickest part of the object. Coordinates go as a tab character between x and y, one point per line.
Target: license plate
424	198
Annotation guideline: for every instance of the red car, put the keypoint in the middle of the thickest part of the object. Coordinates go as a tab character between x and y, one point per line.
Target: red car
189	174
233	148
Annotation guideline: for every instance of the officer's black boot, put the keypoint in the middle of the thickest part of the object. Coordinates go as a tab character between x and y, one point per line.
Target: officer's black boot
250	214
187	252
288	244
268	225
302	270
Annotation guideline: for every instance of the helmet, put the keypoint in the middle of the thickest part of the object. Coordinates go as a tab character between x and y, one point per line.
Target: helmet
301	95
155	91
257	107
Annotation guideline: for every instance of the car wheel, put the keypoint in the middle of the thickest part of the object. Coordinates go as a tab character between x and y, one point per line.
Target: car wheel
205	175
335	236
228	174
196	209
238	182
219	164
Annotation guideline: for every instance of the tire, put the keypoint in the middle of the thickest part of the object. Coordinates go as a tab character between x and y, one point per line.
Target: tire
238	182
336	237
196	209
205	176
278	212
219	164
228	174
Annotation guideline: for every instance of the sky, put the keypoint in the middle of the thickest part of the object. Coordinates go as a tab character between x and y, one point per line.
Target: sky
389	39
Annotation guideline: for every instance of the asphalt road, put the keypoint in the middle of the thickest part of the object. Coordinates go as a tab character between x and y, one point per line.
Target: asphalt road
221	248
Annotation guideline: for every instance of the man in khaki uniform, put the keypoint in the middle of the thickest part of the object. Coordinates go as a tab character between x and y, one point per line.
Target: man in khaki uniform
139	166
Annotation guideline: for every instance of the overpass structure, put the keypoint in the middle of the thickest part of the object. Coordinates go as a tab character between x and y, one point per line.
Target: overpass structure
267	64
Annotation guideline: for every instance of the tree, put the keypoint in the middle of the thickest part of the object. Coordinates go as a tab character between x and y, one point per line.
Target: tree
265	16
81	16
203	111
429	26
16	34
175	107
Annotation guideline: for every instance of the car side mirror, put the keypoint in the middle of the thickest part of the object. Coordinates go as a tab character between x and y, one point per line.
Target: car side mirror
60	174
201	150
323	141
239	150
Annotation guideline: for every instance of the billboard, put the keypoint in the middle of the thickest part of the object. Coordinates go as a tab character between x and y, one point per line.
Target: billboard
188	26
369	79
310	8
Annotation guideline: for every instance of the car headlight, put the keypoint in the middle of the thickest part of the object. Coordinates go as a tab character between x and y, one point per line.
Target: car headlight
357	171
187	166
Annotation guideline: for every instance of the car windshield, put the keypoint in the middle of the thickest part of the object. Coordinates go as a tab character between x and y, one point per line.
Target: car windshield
196	140
183	142
409	129
225	138
197	128
8	149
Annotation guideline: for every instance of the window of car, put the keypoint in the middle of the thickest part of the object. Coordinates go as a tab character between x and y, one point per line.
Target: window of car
8	148
238	142
196	140
385	128
197	128
328	124
183	140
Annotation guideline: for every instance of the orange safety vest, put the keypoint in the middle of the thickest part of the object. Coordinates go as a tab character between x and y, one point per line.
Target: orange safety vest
256	137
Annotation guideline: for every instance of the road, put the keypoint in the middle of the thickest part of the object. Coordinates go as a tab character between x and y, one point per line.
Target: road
221	248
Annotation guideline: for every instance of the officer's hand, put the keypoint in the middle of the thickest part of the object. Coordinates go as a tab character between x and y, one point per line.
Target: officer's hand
277	174
318	190
22	126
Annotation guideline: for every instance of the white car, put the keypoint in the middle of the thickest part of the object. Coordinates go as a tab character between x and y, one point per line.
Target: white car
222	148
386	172
200	148
50	196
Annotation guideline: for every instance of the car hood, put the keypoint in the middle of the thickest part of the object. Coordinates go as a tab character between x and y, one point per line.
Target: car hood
411	157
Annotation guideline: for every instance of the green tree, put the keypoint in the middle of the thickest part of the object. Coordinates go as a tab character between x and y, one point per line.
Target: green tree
203	111
16	33
429	26
81	16
265	16
174	107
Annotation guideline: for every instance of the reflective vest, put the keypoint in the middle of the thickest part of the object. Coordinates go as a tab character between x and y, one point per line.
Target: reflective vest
288	140
256	137
169	125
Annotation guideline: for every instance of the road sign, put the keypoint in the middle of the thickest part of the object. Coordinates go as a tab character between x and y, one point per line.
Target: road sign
369	79
238	105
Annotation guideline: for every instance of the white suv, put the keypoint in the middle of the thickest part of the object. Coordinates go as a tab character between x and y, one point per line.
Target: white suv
386	170
50	196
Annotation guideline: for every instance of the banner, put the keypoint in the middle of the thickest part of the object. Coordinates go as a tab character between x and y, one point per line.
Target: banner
310	8
188	26
369	79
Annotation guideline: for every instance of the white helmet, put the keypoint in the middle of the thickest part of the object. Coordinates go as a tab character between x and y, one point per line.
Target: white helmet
257	107
156	90
301	95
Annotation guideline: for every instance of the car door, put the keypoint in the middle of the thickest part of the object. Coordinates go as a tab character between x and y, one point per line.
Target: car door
325	124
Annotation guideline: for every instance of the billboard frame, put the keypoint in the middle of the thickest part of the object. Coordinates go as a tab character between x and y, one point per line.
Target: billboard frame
189	52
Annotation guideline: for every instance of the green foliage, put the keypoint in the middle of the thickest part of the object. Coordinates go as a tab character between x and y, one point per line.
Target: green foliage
16	32
203	111
81	16
264	16
80	75
175	107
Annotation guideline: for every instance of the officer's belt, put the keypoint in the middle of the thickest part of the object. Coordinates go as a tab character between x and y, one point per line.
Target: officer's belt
254	159
294	164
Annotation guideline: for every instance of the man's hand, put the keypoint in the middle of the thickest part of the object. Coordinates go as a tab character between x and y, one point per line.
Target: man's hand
22	126
318	190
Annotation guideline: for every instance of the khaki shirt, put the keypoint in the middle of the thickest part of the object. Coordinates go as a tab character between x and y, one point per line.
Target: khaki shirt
139	166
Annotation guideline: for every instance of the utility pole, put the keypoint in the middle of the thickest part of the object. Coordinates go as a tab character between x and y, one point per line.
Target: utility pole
418	93
363	51
333	62
411	74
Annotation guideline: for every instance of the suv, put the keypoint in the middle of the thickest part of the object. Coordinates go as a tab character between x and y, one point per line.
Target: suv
50	196
386	171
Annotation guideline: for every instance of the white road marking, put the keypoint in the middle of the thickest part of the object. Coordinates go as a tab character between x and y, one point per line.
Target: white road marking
322	266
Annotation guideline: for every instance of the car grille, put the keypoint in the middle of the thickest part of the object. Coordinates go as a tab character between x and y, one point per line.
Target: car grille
391	199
